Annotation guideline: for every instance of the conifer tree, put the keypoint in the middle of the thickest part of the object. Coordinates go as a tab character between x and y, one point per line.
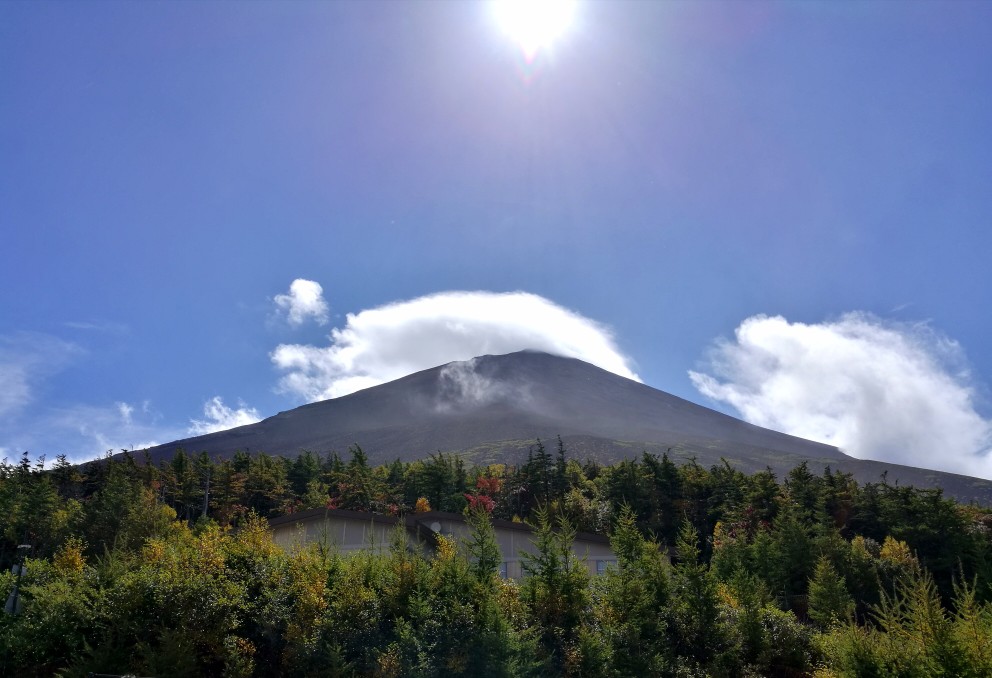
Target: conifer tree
701	637
633	603
556	590
482	546
829	601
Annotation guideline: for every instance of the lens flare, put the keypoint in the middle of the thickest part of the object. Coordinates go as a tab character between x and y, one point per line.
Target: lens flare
534	24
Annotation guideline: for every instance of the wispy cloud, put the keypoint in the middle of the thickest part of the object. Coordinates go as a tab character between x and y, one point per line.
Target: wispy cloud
83	431
220	417
388	342
27	359
878	390
126	412
460	384
107	326
305	300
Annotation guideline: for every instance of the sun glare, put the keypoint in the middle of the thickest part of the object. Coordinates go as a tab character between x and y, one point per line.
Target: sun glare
534	24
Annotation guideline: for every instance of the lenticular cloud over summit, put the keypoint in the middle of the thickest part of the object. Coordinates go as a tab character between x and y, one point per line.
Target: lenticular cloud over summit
897	393
388	342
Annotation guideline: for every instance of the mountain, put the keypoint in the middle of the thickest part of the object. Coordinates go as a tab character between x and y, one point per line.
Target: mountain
493	408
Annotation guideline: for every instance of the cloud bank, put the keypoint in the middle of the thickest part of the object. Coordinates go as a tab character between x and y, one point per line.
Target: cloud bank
220	417
388	342
876	390
305	300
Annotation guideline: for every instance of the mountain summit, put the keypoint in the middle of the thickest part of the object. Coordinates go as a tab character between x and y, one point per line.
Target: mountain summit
493	408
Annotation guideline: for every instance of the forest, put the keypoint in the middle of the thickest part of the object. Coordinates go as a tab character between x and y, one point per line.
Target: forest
169	569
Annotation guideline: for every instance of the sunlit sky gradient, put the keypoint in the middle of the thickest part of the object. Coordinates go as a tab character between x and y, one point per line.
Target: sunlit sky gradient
668	170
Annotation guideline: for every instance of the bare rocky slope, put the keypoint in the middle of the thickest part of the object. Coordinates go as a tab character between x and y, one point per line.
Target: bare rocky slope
493	408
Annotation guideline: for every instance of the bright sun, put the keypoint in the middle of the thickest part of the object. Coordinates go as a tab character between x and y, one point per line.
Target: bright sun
534	24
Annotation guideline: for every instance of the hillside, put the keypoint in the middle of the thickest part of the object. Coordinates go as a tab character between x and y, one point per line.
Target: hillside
492	408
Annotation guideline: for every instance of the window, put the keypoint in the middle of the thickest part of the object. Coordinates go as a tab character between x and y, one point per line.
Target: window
502	569
601	565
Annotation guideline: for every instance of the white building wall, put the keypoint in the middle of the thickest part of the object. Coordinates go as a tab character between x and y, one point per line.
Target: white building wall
349	533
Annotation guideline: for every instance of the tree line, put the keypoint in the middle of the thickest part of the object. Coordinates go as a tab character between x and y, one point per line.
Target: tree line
169	569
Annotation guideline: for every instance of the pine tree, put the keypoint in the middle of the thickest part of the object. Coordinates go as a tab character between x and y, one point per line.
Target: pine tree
556	590
560	484
665	493
632	608
829	601
701	637
803	492
482	546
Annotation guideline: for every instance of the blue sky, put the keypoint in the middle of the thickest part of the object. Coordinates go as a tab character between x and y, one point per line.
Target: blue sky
661	175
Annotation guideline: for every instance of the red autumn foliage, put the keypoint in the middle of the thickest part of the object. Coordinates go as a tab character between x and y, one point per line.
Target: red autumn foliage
476	501
488	485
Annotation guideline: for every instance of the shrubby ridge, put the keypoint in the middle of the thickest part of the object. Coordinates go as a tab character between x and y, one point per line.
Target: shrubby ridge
169	570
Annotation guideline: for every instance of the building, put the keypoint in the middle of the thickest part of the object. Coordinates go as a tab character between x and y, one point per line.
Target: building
349	531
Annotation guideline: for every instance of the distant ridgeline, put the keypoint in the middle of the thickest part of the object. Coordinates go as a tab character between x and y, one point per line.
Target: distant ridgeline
133	568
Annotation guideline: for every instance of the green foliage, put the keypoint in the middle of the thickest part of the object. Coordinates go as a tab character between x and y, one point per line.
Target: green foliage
441	479
31	510
793	558
483	548
829	601
632	603
916	636
171	570
702	637
556	591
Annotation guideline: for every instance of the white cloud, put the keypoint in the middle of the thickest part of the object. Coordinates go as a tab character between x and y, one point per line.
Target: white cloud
126	412
220	417
388	342
892	392
460	384
82	431
26	360
85	432
305	300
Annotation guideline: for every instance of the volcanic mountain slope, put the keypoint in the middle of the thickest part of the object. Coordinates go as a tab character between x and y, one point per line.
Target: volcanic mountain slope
493	408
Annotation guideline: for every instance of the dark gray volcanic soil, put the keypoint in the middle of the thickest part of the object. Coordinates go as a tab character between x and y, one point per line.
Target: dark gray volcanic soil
493	408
